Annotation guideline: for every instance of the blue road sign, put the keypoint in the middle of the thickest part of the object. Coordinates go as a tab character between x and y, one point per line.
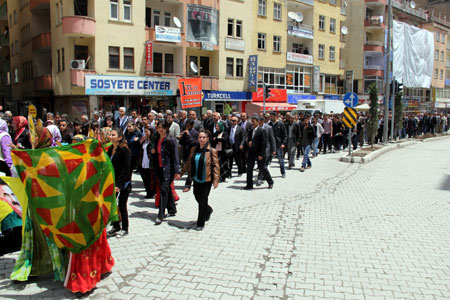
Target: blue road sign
350	100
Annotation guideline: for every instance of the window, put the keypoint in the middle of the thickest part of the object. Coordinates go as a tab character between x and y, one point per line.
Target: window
230	66
17	46
59	60
128	58
114	9
157	62
442	55
12	49
239	67
277	11
156	14
27	71
193	59
443	38
261	41
332	54
438	35
167	19
168	63
238	28
127	11
63	60
332	25
230	27
321	51
61	11
15	18
16	75
276	43
442	75
321	22
80	7
261	7
10	20
333	2
57	13
204	65
436	55
114	57
436	73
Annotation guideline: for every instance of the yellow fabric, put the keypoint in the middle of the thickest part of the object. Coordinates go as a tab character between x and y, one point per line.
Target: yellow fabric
18	188
5	210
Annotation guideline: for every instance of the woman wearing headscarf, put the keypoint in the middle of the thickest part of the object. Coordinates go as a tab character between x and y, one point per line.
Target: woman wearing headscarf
56	135
5	143
220	143
21	139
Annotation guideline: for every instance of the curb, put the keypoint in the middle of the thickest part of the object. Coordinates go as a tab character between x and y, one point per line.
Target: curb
393	146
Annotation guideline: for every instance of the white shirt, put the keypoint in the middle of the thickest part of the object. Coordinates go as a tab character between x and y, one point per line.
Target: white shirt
232	133
145	160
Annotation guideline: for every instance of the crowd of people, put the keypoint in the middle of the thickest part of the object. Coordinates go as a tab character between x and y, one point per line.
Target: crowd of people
162	147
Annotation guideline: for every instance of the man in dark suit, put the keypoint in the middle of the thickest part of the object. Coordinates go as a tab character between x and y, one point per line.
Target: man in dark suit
257	140
209	123
270	148
122	120
237	137
247	126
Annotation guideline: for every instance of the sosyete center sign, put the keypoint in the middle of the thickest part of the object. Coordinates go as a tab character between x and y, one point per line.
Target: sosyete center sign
130	85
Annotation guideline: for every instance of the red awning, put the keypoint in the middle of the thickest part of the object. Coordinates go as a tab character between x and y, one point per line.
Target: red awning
275	106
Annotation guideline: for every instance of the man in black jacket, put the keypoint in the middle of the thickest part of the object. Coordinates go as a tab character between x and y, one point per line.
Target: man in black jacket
293	137
237	136
280	135
257	140
307	138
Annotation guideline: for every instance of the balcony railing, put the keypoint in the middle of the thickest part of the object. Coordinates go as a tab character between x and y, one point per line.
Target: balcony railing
374	21
376	1
42	42
299	58
78	26
374	43
373	67
43	83
170	34
77	77
4	41
307	2
210	83
39	6
404	5
304	31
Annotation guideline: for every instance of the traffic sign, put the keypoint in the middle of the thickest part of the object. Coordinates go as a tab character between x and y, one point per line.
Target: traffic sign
350	100
350	117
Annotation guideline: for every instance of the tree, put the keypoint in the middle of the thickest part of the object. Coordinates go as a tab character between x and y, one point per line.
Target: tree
372	126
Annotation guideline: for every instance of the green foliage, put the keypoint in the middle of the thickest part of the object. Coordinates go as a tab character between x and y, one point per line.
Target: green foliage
398	115
372	125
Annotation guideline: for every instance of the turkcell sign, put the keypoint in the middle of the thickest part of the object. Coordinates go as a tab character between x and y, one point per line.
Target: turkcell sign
167	34
226	96
130	85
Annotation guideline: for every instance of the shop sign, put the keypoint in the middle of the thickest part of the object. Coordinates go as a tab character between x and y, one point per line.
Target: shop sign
276	95
148	56
252	73
299	58
207	46
303	31
168	34
130	85
293	99
234	44
190	92
226	96
332	97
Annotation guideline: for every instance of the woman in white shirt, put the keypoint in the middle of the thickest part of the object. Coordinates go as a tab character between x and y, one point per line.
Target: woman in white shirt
144	162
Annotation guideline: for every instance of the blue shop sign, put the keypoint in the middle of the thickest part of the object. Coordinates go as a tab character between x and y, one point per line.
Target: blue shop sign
226	96
332	97
293	99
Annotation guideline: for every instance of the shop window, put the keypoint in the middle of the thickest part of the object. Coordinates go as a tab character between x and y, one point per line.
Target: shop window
80	7
114	9
114	57
128	58
157	62
202	24
168	63
239	67
127	11
204	65
230	67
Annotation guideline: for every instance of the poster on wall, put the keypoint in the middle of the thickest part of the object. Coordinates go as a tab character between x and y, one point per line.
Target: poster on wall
202	24
190	92
148	56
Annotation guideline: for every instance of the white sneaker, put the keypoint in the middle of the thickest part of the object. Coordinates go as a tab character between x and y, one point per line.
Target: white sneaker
122	233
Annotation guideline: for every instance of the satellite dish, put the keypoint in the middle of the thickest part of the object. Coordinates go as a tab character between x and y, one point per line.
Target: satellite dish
193	66
345	3
344	30
177	22
299	17
412	4
292	15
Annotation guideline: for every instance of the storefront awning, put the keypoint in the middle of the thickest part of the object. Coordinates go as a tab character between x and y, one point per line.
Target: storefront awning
275	106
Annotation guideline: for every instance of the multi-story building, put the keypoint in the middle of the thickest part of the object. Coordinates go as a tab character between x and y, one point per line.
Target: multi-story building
5	65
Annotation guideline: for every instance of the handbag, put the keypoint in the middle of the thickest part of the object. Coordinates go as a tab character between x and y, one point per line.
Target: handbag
229	152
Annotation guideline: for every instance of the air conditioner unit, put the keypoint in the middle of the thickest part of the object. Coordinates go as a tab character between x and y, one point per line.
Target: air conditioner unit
78	64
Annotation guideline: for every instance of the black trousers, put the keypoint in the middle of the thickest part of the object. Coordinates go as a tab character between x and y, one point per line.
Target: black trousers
10	240
166	198
326	142
123	210
262	168
237	156
146	179
201	194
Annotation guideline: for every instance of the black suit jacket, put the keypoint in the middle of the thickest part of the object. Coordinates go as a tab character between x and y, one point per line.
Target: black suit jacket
209	124
259	142
239	136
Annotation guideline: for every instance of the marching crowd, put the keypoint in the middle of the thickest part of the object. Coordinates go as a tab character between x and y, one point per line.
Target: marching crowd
164	146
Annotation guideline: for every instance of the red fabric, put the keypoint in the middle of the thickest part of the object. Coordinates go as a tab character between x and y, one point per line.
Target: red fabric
87	267
158	194
158	151
21	123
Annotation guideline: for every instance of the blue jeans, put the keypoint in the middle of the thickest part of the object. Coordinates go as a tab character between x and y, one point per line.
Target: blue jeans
306	160
314	145
281	160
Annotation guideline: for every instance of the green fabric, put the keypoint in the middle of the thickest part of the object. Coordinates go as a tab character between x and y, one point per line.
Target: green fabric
22	268
71	212
12	220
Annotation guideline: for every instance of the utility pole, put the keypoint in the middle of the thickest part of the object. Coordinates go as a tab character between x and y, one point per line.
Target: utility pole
388	72
394	95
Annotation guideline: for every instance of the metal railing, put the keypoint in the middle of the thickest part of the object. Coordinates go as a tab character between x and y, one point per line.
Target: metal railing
374	43
373	67
375	20
404	5
308	2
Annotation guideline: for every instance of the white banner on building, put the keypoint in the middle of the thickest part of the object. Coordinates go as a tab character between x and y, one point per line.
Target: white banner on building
299	58
130	85
234	44
413	50
168	34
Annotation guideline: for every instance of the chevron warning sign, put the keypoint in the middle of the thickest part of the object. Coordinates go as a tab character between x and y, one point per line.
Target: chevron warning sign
350	117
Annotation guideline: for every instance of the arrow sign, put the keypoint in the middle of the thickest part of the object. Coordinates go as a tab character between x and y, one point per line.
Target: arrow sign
350	100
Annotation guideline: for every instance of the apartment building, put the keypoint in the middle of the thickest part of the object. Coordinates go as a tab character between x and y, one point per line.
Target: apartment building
5	64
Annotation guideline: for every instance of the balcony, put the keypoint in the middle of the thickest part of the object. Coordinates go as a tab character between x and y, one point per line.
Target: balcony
40	6
376	2
447	64
307	2
78	26
77	77
374	22
303	31
210	83
373	70
42	42
3	12
374	43
404	6
43	83
164	34
373	48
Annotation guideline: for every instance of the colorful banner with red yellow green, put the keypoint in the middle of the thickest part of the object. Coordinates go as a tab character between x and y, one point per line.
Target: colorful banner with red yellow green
70	191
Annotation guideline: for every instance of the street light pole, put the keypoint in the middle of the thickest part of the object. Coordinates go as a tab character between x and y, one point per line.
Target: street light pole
394	89
388	72
264	98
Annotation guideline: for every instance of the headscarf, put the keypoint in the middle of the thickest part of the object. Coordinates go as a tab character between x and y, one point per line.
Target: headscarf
3	126
103	135
56	135
43	138
21	123
79	138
